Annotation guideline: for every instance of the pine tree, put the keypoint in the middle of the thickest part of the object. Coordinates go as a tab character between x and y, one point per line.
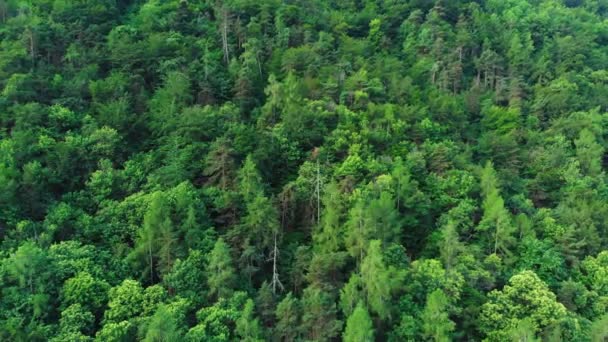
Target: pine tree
156	239
250	181
221	273
435	319
357	231
450	245
376	280
384	219
496	218
162	327
219	164
328	235
351	294
359	326
288	319
319	321
247	327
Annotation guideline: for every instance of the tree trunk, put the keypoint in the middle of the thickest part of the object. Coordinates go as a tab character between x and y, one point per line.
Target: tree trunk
224	31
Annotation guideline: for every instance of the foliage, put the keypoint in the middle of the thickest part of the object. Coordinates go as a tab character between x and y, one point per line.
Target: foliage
303	170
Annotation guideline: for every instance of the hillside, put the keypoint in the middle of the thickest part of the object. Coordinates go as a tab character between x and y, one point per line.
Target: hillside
319	170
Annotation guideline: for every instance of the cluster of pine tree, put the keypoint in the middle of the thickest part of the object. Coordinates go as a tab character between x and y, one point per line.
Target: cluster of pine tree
303	170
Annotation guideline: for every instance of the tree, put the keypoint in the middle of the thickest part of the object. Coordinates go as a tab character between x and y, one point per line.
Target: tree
260	228
589	153
75	323
247	327
328	235
26	266
359	326
219	164
221	273
357	231
351	295
450	245
156	239
495	216
250	180
266	304
376	280
384	219
599	329
162	327
288	319
85	290
436	322
319	322
188	279
168	101
525	297
126	302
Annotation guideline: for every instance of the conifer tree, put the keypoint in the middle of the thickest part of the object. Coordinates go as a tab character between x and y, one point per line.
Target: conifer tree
247	327
221	273
288	319
435	319
359	326
496	219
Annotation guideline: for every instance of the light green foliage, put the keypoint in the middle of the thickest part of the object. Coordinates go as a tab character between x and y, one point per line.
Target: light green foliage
126	301
358	326
303	170
599	329
26	266
250	181
85	290
496	219
589	153
247	327
220	271
437	325
525	297
378	280
351	295
76	319
162	327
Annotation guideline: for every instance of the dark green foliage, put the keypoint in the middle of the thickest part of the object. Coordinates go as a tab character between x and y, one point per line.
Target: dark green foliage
423	170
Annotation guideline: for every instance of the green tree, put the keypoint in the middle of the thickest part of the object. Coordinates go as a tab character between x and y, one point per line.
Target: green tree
437	325
525	297
85	290
221	274
156	240
126	302
359	326
319	321
589	153
250	180
288	319
247	326
162	327
599	329
377	280
496	218
351	295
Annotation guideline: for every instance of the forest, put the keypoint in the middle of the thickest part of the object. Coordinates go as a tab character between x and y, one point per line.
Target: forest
303	170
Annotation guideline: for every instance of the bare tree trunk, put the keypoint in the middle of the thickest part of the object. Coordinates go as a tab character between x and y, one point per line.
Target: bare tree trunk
275	274
224	31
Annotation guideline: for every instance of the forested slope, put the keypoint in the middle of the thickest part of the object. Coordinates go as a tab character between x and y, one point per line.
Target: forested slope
303	170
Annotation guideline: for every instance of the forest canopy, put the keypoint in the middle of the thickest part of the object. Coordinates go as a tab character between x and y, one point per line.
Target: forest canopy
319	170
